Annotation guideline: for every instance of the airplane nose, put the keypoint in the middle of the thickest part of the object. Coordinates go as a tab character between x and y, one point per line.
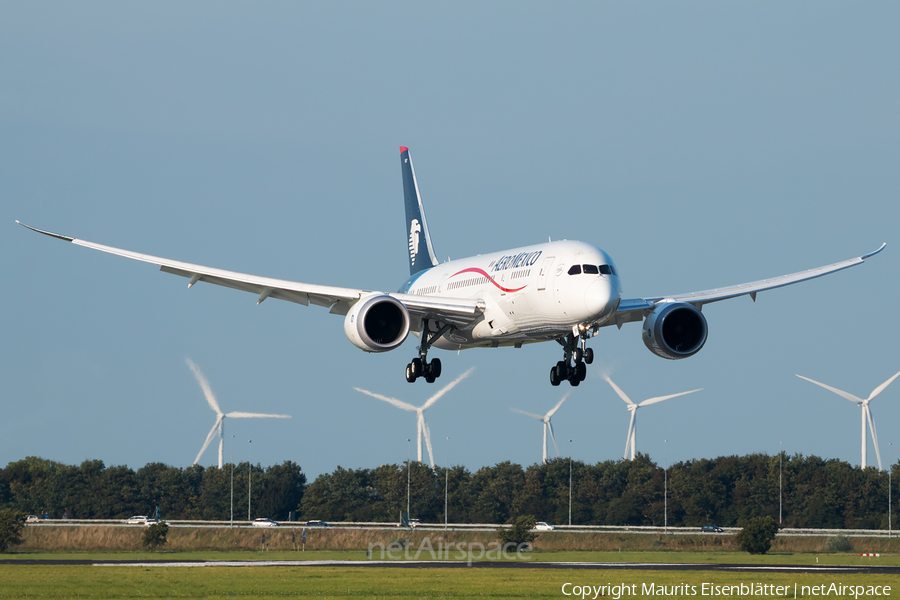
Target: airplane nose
598	297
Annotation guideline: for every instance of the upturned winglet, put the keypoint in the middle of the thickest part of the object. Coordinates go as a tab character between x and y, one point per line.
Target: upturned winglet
865	256
50	233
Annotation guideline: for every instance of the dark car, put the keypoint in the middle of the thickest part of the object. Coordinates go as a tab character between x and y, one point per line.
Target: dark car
317	523
711	529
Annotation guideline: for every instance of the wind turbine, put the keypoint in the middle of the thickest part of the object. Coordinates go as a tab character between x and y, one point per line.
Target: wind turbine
219	425
547	424
866	412
631	439
422	426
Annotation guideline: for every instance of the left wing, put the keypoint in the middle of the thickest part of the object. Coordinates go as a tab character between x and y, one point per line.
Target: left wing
633	309
457	311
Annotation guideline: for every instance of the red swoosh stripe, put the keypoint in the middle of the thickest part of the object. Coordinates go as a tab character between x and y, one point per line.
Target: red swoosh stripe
491	279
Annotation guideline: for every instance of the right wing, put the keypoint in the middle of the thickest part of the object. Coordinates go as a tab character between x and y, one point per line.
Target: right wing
634	309
459	312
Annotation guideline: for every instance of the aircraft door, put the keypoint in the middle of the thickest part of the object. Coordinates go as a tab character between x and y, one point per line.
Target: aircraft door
545	270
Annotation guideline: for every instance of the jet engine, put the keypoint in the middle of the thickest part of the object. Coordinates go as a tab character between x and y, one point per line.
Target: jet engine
675	330
377	323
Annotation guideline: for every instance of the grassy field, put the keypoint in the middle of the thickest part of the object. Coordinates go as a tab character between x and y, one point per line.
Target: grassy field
327	582
54	538
537	556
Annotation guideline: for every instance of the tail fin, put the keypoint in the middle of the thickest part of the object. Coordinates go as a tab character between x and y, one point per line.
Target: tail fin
421	252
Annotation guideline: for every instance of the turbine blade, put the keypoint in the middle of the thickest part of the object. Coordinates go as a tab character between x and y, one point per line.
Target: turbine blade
882	387
840	393
619	391
246	415
209	438
446	389
394	401
558	404
553	437
528	414
428	442
628	437
204	385
871	420
650	401
420	426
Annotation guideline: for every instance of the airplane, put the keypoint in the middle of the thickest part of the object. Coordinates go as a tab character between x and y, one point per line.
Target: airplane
563	291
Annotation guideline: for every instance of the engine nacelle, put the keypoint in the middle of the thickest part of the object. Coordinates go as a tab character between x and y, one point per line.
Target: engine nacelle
377	323
675	330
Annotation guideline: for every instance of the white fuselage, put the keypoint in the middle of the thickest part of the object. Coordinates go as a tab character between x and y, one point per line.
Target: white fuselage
528	293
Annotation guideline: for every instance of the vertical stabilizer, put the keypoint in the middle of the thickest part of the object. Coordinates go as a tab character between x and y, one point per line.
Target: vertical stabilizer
421	252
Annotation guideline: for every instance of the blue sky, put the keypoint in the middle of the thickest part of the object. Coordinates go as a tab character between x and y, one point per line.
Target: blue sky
700	144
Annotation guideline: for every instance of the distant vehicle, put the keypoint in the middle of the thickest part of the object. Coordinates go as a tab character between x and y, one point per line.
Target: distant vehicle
137	520
264	523
32	519
543	526
317	523
414	522
154	522
711	529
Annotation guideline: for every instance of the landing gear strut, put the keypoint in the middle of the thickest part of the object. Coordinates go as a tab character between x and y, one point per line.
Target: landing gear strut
575	358
419	366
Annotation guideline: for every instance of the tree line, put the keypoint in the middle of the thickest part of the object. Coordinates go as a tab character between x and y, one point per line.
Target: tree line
726	491
92	490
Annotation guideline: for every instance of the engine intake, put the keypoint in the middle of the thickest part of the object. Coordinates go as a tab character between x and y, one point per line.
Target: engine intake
675	330
377	323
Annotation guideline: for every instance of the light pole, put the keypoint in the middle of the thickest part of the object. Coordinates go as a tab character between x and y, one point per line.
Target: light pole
407	479
780	468
232	482
890	468
570	483
249	475
666	491
446	481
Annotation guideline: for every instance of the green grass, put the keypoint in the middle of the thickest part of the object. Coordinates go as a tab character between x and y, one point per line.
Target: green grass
537	556
327	582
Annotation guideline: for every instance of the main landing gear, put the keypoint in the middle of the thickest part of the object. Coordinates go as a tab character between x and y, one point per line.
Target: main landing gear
572	368
420	367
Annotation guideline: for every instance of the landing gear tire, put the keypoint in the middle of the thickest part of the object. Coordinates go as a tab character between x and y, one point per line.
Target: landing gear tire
410	377
577	355
562	370
418	369
589	355
580	371
435	368
574	381
429	378
554	378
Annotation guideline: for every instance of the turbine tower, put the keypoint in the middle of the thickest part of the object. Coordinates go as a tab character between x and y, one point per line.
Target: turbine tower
866	412
421	425
219	425
547	424
631	439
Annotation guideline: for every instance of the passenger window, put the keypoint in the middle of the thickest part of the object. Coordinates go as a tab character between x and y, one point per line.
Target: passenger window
590	270
604	269
575	270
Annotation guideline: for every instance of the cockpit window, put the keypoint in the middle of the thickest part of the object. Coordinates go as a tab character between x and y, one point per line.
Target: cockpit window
575	270
590	269
605	270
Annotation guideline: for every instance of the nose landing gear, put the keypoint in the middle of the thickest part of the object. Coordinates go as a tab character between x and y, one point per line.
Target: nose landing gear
573	367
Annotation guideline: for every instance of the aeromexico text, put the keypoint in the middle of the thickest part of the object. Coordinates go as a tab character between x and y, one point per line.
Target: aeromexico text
523	259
